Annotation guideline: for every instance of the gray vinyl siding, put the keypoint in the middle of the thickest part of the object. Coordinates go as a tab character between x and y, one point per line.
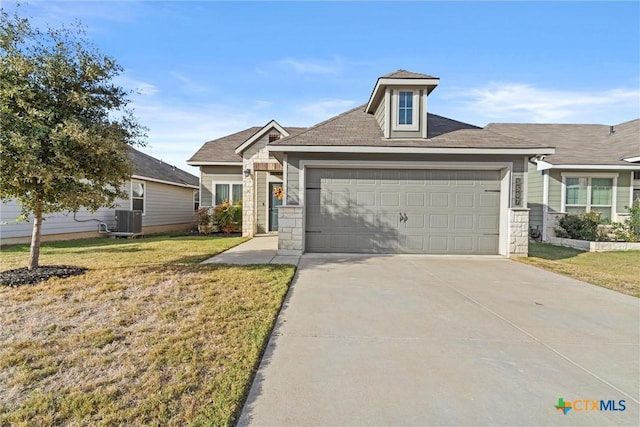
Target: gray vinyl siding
209	174
624	182
164	205
54	223
535	184
292	193
379	115
262	189
555	191
167	204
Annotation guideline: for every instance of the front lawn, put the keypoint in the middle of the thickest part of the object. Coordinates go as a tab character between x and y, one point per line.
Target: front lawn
146	336
619	271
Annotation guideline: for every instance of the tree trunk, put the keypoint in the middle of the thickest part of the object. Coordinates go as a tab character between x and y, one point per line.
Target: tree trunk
34	254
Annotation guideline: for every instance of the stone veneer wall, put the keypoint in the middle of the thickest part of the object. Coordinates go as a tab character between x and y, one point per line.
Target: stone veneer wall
518	232
290	233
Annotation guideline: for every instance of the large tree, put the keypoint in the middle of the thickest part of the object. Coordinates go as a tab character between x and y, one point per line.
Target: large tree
65	128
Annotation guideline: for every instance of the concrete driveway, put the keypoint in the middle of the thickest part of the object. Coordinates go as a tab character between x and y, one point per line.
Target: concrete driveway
423	340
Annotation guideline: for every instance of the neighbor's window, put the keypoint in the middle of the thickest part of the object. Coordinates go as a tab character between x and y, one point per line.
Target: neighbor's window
405	108
138	194
196	199
227	192
585	194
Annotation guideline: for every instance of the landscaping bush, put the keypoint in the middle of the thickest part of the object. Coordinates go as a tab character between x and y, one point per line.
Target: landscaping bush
228	217
205	220
629	230
583	226
592	227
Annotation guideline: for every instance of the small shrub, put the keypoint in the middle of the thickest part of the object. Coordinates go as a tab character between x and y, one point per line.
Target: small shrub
228	217
629	230
205	220
581	227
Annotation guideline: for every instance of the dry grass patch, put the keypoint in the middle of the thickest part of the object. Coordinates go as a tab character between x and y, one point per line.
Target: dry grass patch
146	336
619	271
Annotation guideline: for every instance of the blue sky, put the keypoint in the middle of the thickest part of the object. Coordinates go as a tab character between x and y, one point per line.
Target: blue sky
205	69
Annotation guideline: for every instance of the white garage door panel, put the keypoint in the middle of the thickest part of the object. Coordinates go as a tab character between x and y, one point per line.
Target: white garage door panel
402	211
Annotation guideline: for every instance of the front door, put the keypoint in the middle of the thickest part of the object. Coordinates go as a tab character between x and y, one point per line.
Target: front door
275	190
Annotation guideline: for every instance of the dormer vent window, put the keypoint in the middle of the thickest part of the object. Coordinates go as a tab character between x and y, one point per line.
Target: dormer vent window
274	137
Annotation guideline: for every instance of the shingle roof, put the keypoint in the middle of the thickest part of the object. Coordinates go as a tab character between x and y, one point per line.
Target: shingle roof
579	144
150	167
404	74
224	149
357	128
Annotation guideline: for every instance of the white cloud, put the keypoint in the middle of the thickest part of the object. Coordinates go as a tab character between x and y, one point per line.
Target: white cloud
321	110
137	86
306	66
522	102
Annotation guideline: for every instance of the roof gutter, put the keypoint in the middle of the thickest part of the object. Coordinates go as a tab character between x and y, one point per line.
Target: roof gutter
542	165
404	150
160	181
197	163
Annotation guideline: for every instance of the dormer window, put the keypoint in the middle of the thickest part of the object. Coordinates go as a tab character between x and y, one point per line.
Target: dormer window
406	109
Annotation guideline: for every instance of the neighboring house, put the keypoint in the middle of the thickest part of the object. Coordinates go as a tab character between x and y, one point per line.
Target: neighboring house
385	177
594	168
167	197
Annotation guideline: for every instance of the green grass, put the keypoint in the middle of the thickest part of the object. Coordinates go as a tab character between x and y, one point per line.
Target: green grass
619	271
146	336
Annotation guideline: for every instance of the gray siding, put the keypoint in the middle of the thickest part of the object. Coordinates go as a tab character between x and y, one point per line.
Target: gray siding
55	223
167	204
208	174
624	182
380	114
164	205
535	196
262	188
555	191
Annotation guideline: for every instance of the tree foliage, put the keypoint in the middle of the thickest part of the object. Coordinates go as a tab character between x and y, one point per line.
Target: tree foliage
65	129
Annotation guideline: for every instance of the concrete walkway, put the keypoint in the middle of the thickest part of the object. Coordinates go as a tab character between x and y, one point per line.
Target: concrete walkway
449	341
259	250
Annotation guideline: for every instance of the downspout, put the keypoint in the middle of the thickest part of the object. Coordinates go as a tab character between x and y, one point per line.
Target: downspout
545	203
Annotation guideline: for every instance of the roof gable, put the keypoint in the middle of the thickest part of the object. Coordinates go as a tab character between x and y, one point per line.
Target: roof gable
399	78
259	134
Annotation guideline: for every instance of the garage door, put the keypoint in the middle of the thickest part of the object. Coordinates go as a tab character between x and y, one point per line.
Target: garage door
402	211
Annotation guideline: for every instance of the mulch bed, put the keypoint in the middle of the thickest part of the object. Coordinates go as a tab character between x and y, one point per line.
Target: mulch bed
24	276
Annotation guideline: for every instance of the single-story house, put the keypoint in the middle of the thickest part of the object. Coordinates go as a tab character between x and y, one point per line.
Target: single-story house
166	196
385	177
594	168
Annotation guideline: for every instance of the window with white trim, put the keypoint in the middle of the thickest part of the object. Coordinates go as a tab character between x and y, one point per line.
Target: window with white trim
227	192
138	196
196	200
406	109
589	193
